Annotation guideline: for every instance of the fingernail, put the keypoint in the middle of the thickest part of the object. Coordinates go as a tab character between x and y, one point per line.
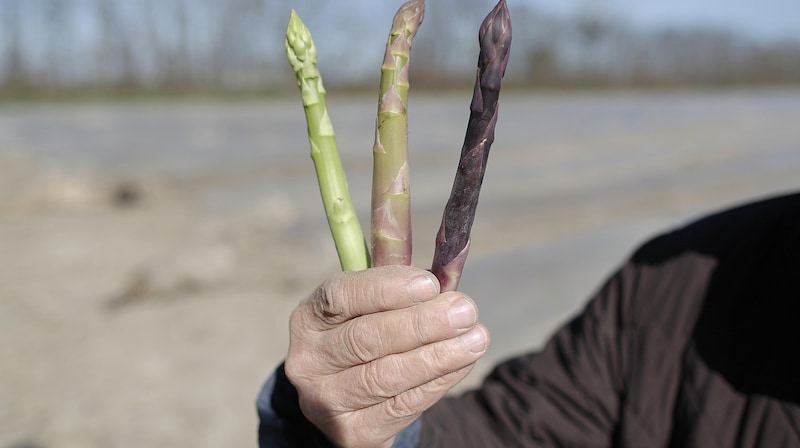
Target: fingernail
462	315
474	340
421	289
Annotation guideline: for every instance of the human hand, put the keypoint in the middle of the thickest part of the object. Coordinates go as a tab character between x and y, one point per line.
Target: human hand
371	350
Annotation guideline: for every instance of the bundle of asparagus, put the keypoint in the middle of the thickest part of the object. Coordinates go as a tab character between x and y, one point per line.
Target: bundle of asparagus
391	215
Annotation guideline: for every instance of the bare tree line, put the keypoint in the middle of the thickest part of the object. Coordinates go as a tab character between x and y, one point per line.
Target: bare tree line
146	44
237	45
596	47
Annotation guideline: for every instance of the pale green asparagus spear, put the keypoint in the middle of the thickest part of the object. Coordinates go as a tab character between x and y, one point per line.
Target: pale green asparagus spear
391	213
342	219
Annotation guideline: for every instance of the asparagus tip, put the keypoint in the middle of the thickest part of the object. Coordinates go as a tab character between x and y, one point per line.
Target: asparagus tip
299	46
495	41
411	13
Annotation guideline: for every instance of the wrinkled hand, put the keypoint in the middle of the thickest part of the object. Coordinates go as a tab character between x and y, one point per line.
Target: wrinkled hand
371	350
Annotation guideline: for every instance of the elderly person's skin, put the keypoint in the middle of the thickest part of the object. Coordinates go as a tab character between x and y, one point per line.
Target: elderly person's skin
371	350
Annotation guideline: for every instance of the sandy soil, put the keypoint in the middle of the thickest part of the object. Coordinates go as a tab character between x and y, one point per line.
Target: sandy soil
150	253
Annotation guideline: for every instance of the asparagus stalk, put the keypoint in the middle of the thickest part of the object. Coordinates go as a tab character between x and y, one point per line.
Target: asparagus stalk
453	239
342	218
391	214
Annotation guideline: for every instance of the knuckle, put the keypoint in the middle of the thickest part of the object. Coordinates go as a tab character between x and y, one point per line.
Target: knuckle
405	405
421	326
319	399
302	364
440	385
307	361
294	369
383	291
438	359
360	340
301	361
378	378
327	302
300	323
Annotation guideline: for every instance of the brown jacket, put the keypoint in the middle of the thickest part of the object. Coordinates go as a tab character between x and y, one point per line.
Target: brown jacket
695	342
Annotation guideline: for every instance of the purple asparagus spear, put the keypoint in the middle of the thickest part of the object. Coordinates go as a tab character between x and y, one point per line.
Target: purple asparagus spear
453	239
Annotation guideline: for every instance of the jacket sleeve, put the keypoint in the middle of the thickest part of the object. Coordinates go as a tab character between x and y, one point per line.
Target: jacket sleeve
567	395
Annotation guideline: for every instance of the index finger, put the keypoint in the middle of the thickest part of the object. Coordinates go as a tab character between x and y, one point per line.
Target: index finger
358	293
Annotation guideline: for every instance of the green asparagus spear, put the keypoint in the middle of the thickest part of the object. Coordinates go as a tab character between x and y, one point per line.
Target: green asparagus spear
391	214
342	219
453	239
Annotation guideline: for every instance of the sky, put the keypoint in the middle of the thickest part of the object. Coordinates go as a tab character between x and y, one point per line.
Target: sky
762	19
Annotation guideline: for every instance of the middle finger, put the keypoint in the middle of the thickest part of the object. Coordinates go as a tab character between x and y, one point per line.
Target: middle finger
374	336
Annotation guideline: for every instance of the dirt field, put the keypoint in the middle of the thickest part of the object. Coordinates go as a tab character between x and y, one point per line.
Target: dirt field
150	253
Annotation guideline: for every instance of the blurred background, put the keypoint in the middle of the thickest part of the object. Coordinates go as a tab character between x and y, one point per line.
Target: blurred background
159	216
114	46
